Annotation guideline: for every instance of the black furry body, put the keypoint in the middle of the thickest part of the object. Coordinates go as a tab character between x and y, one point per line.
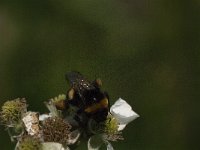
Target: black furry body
87	97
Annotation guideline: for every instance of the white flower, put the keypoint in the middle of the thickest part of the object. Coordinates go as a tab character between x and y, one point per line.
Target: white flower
123	112
44	116
53	146
96	141
73	137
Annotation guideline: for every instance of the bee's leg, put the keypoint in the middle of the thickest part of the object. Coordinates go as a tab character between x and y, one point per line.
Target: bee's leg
107	96
71	94
97	83
77	118
81	118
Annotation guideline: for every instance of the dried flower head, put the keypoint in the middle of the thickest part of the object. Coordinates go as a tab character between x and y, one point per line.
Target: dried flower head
56	130
31	123
59	101
28	142
58	98
114	136
12	111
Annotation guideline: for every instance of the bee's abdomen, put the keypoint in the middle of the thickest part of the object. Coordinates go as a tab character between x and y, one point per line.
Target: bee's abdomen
103	103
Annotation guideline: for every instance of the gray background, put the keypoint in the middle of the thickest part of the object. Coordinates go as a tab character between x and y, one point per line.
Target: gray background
145	51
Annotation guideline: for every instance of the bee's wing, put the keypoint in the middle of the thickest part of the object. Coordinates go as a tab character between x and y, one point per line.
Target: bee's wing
73	77
77	80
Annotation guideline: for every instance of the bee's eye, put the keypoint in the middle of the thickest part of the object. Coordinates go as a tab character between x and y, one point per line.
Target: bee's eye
94	99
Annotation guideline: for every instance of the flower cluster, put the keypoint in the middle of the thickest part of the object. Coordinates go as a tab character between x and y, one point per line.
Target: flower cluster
12	111
65	125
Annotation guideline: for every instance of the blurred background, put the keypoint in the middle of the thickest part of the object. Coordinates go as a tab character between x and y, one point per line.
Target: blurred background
145	51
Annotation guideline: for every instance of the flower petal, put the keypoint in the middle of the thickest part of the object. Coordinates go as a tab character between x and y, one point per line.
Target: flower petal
73	137
43	117
53	146
123	112
121	127
95	142
52	108
109	146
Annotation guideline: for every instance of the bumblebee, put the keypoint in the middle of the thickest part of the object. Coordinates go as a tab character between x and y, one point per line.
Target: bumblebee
87	96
